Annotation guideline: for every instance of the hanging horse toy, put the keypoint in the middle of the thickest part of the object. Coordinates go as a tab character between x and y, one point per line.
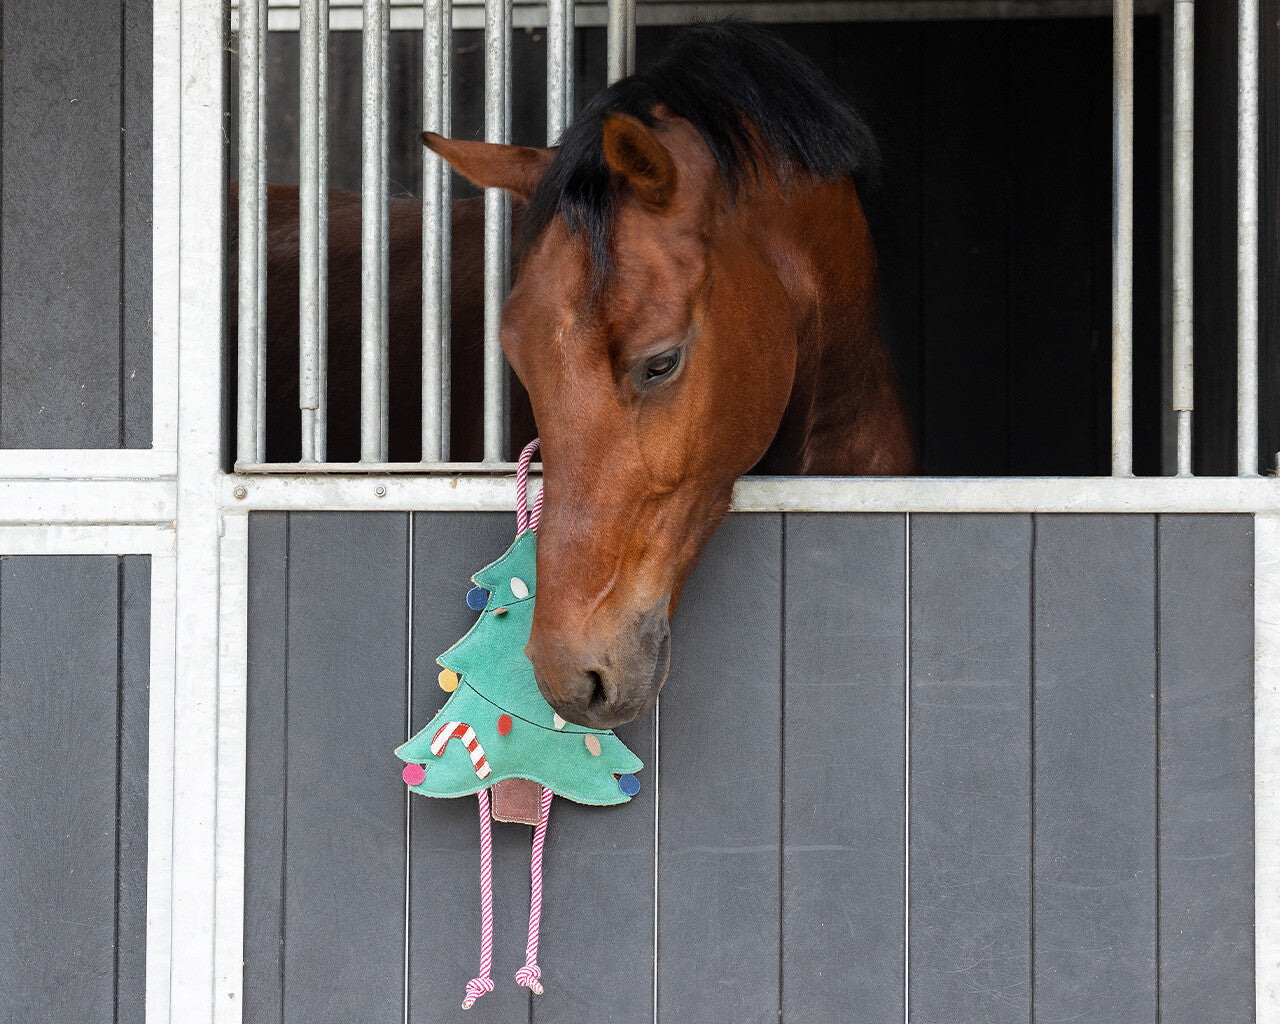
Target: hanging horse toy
509	738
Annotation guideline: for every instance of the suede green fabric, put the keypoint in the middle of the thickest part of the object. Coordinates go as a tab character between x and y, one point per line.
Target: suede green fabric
497	678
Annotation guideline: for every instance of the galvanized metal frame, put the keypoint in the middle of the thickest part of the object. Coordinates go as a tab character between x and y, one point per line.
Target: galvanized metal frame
174	504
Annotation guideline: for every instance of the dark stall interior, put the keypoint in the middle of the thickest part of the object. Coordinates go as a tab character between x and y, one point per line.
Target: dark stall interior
992	221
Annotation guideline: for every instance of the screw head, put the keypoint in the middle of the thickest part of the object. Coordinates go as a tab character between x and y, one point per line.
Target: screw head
380	491
240	493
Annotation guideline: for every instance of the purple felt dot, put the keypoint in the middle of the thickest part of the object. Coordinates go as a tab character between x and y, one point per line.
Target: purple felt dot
477	598
413	774
629	784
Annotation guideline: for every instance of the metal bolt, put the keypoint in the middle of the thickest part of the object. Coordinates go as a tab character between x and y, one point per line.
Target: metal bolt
380	491
240	493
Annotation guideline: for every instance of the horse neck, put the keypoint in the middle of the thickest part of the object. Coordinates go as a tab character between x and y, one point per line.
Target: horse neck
846	414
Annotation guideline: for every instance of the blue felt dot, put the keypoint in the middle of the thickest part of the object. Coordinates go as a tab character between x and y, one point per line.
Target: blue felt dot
477	598
629	784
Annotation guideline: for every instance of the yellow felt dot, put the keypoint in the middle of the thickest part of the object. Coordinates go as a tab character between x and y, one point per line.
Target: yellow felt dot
448	680
593	744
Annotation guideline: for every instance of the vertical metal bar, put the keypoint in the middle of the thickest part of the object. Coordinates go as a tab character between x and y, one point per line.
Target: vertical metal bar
1168	416
560	16
251	244
313	225
1183	107
497	213
437	17
622	15
1122	241
373	237
1247	245
261	354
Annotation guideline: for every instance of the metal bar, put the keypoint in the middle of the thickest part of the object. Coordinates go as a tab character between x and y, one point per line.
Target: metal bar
469	14
251	240
261	329
93	463
497	214
313	225
1122	241
492	492
1266	773
232	723
621	15
1247	246
79	539
373	235
437	51
559	68
97	502
1183	141
1168	415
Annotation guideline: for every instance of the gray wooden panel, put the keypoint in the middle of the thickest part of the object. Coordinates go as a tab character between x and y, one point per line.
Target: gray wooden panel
136	225
344	886
970	769
1206	769
135	714
59	707
719	870
268	646
1094	784
444	886
597	911
61	267
844	685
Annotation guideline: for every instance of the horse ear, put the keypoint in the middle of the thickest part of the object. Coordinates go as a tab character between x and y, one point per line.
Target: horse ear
518	169
634	150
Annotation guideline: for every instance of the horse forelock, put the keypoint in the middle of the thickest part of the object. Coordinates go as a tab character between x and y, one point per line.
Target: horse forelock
753	100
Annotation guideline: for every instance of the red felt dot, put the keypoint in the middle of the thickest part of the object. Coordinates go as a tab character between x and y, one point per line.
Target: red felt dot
413	774
504	725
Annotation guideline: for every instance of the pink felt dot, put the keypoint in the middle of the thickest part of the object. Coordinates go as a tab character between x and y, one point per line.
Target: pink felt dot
413	774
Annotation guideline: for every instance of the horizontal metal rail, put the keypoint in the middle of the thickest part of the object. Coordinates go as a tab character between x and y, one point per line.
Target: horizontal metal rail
469	14
493	492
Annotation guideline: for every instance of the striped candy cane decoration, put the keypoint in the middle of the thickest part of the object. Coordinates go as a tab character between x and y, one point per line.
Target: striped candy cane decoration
464	732
529	974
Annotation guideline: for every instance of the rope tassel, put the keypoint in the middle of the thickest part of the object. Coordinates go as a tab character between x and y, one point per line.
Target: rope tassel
529	974
478	986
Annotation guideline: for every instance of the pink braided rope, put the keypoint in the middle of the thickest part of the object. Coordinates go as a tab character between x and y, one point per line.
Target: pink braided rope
529	974
477	987
525	520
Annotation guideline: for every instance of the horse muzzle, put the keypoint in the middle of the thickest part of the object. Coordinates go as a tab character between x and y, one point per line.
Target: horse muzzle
603	681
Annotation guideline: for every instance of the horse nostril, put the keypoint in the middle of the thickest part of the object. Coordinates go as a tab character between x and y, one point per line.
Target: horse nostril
597	694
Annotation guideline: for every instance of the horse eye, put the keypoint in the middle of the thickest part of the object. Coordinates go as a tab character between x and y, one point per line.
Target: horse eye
661	365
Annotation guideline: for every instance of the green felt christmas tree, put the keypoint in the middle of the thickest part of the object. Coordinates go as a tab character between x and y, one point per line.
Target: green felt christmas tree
496	725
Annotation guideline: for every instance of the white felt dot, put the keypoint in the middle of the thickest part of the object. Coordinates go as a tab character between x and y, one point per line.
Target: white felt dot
519	588
558	721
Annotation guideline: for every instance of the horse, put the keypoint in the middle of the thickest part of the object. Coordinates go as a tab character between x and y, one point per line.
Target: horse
696	296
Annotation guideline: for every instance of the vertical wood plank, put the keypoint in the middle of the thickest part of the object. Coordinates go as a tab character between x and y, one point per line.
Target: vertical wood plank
1206	769
970	768
444	905
1094	789
58	775
719	871
268	641
843	801
344	880
135	214
135	713
60	265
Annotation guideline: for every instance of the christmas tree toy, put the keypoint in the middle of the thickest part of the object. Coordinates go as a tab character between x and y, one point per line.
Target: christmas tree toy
505	730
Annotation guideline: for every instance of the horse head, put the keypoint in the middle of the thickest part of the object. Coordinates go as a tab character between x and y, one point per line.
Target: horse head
655	321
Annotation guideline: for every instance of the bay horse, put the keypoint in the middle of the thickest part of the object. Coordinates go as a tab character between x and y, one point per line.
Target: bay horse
696	297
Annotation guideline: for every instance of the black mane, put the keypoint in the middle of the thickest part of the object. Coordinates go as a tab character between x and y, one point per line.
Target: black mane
726	79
